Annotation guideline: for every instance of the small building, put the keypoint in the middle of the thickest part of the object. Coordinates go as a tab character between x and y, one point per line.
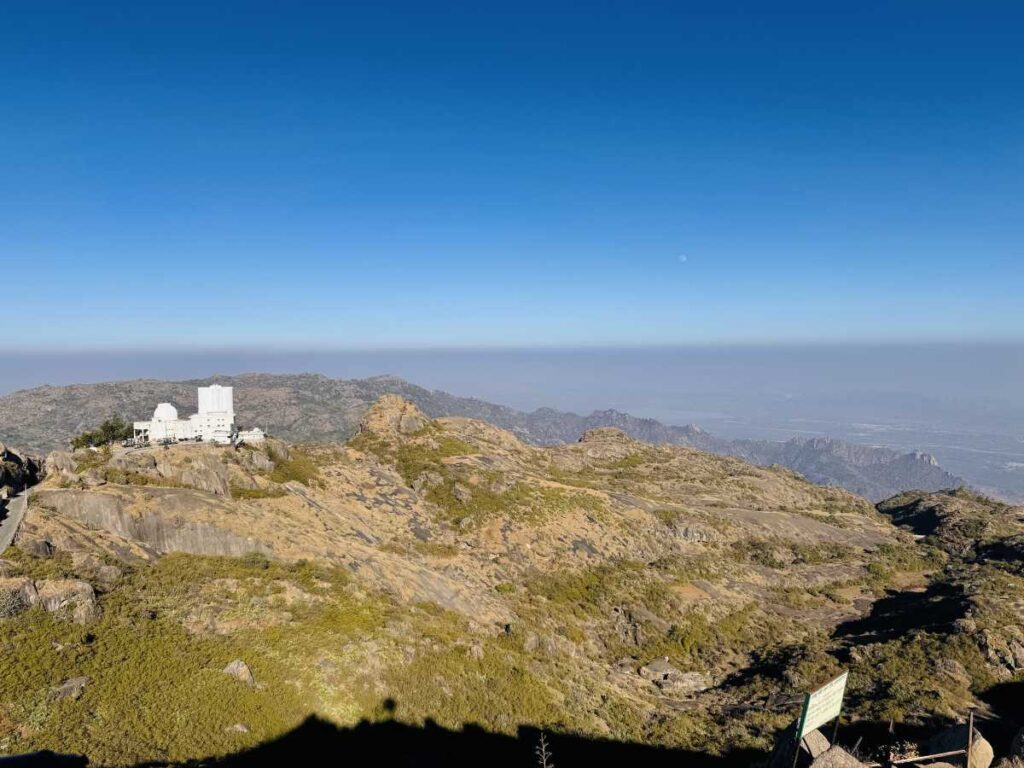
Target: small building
214	423
250	436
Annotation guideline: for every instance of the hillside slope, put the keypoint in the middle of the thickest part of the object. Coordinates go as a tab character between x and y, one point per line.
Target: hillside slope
607	587
310	407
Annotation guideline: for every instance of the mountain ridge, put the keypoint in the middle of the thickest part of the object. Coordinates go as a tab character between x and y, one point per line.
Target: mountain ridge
313	407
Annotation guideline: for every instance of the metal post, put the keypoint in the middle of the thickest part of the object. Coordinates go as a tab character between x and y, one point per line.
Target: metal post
970	737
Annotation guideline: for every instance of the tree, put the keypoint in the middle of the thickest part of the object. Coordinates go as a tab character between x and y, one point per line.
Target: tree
113	429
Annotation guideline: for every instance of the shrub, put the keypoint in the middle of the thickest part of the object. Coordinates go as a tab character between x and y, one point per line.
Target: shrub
93	460
299	468
11	604
238	492
668	517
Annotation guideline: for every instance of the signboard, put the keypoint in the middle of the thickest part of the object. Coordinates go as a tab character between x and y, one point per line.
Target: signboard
822	705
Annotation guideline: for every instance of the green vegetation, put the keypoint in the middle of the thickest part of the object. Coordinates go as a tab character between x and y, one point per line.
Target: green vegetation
156	690
93	459
469	496
247	494
297	467
435	548
630	461
668	517
551	648
777	553
520	501
498	688
110	431
131	477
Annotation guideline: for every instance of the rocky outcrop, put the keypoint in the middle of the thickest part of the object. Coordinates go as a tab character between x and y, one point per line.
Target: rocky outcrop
72	688
813	751
65	598
206	473
18	471
68	598
239	670
60	463
836	757
672	682
955	738
393	415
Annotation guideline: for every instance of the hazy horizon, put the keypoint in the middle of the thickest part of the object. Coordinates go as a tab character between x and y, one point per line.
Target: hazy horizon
930	370
961	402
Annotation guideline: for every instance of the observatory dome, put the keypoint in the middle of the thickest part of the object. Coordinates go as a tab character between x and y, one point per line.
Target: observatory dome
165	412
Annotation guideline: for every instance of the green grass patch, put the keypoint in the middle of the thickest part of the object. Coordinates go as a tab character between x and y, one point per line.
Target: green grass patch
247	494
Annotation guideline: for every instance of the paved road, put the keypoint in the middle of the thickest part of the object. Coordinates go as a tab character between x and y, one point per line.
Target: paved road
11	513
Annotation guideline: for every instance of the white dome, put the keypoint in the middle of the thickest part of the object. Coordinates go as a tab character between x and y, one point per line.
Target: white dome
165	412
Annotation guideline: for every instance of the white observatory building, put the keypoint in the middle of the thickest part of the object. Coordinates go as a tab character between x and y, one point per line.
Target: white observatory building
215	422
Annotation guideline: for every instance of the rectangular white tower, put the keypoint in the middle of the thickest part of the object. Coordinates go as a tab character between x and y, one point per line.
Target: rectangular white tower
215	421
216	399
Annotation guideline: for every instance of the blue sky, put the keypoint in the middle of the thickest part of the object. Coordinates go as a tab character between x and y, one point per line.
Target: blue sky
392	174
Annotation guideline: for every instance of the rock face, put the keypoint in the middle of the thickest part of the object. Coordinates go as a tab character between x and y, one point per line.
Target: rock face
605	435
207	474
60	463
163	519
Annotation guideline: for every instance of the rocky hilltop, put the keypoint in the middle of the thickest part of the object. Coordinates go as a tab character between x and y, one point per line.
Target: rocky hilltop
606	587
309	407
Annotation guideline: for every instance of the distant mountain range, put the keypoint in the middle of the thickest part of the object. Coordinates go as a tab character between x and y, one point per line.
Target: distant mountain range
311	407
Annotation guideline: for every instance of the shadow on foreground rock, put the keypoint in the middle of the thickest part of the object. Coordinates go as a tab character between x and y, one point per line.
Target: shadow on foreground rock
393	743
317	742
